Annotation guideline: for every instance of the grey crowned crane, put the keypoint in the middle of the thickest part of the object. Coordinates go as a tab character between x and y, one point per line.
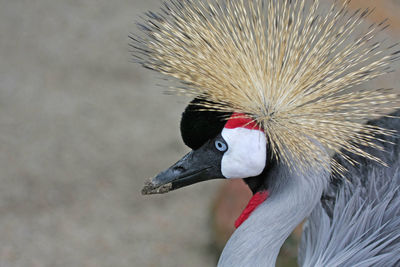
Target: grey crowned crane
277	104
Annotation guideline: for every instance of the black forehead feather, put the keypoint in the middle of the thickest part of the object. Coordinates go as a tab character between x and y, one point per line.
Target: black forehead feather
199	125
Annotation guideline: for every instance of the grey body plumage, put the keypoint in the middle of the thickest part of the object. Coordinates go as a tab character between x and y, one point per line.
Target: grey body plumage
357	222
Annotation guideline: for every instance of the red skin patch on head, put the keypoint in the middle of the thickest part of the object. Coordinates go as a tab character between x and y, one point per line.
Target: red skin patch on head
241	120
254	202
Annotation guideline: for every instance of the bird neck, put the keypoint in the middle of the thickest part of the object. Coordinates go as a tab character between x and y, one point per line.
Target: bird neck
292	197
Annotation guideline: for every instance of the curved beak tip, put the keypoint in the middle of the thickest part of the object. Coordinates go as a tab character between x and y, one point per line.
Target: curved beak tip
150	188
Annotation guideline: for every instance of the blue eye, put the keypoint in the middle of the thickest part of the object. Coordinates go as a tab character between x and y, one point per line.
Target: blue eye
221	146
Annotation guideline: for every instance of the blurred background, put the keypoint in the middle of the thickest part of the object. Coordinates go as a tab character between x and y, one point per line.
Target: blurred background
82	127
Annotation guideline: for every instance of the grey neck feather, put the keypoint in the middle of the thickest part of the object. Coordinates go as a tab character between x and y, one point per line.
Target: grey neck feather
292	197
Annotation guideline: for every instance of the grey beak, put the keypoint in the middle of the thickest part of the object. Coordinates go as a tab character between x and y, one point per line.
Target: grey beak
197	166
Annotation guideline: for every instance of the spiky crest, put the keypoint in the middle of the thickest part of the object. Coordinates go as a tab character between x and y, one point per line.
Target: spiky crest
287	64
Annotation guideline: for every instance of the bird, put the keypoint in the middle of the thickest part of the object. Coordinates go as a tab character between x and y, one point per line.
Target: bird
277	102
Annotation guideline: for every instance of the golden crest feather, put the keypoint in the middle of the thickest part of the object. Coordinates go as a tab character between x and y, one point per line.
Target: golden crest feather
288	64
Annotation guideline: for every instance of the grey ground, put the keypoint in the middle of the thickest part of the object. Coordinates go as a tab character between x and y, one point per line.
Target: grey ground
81	127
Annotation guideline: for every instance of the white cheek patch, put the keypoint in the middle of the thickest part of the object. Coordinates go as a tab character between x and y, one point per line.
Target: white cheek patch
246	154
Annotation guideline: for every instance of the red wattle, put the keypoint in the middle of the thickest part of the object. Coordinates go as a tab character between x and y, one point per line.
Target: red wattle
256	200
241	120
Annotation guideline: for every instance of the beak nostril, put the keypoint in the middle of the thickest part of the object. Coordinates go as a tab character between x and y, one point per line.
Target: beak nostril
179	169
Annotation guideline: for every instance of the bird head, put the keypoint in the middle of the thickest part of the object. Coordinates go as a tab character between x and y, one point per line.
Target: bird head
224	145
273	78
